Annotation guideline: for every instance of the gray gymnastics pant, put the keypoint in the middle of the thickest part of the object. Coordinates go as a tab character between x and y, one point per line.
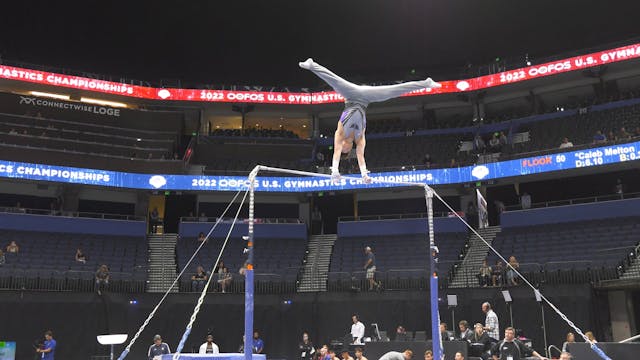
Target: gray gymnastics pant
365	94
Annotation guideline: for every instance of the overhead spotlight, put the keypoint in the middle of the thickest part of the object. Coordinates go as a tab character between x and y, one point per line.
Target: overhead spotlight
50	95
304	125
528	63
138	139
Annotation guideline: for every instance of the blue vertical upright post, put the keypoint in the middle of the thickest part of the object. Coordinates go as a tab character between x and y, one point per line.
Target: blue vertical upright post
248	275
433	279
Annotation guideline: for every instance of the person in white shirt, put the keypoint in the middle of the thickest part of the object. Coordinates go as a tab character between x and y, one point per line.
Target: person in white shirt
566	143
525	201
209	347
491	324
357	330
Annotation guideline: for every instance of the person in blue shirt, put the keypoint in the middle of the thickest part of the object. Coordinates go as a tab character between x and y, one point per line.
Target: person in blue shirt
258	344
158	348
49	349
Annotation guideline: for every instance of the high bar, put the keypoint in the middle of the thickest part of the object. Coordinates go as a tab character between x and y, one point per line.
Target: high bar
308	173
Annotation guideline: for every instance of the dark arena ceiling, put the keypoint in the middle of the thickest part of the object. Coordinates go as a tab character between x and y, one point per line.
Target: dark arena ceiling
259	42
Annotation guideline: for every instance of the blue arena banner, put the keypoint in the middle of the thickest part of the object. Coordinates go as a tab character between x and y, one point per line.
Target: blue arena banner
526	166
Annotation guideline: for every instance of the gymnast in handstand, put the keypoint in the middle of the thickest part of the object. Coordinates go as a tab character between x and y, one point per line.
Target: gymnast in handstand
353	121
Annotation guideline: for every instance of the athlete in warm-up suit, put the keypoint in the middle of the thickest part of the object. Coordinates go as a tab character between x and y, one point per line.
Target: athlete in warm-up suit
353	121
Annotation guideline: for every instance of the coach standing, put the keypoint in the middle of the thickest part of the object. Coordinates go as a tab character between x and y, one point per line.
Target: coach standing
49	350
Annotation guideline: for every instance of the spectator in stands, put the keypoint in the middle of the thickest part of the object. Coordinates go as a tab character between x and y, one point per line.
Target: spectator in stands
53	211
590	336
13	248
258	344
565	356
24	132
49	348
565	143
453	163
203	217
13	132
201	237
525	201
359	355
472	214
150	156
80	256
503	139
480	341
611	137
157	349
20	209
494	143
478	144
428	355
569	340
224	277
496	274
316	221
459	356
512	348
484	275
370	268
446	334
209	347
307	351
491	323
619	187
102	278
332	355
636	132
599	138
199	279
512	277
39	115
345	355
401	334
426	160
465	332
3	260
323	354
154	219
623	134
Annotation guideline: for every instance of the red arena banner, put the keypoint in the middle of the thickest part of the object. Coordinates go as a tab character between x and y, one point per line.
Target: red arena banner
260	97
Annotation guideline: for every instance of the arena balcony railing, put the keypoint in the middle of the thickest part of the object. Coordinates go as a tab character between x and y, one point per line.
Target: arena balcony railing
392	216
70	280
208	219
582	200
63	213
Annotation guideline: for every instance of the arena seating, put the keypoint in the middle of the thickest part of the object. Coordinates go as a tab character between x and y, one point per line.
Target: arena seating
277	261
593	244
46	261
402	261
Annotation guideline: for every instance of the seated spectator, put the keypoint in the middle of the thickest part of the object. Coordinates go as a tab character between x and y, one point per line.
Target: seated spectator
590	336
570	340
80	256
478	144
512	277
426	160
13	248
484	275
201	237
503	139
496	274
3	260
224	277
199	279
465	332
565	143
494	143
428	355
459	356
102	278
20	209
565	356
203	217
599	138
453	163
611	136
401	334
154	219
446	334
636	132
623	134
13	132
479	341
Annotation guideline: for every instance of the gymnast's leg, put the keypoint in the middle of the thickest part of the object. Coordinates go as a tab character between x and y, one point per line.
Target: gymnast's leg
341	86
386	92
338	147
